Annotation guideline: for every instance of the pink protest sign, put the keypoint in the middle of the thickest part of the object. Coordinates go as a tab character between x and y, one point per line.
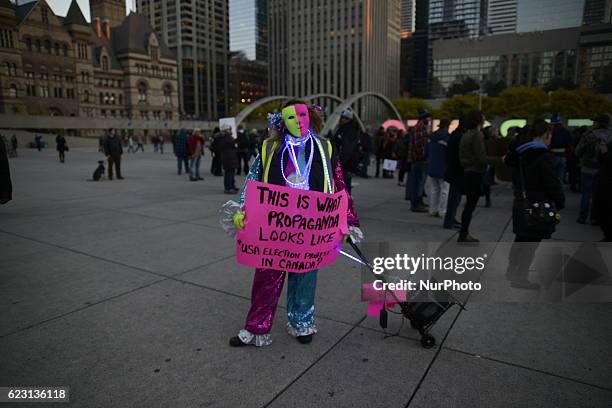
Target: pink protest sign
289	229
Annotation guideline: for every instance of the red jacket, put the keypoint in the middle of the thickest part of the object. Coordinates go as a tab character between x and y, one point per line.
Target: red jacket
192	143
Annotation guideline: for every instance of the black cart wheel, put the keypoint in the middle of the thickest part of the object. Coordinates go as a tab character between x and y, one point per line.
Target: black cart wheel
428	341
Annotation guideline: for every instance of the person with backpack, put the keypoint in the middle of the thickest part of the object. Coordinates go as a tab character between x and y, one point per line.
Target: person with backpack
588	154
536	185
347	142
435	154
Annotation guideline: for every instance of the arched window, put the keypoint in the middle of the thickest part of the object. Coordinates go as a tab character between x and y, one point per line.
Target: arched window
57	48
28	42
48	46
105	63
38	45
11	69
142	92
65	50
12	91
167	95
86	96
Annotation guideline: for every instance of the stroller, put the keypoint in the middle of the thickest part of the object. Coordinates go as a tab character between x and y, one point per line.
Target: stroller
422	310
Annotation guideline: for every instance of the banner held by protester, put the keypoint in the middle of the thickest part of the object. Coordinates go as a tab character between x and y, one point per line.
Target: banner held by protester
290	229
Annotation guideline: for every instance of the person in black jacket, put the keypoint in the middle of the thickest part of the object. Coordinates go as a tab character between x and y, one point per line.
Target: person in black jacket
6	187
62	147
347	142
244	153
226	147
541	183
602	205
216	165
454	176
113	151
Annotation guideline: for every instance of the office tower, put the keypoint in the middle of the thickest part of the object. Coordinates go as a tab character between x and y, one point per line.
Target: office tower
420	49
597	11
407	18
548	14
406	30
581	56
248	71
457	18
501	16
340	47
111	10
249	28
198	32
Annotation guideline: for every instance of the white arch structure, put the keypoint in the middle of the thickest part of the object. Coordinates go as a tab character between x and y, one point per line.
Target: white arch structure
333	119
335	98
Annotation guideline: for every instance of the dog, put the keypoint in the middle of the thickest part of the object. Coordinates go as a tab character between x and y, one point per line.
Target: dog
98	174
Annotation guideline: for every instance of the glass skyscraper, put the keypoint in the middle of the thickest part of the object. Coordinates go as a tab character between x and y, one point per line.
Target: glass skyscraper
457	18
248	28
548	14
249	51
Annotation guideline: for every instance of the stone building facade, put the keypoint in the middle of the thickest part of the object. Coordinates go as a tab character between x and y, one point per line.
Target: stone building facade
66	66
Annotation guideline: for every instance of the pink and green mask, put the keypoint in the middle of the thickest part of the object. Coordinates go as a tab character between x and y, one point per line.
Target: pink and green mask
296	119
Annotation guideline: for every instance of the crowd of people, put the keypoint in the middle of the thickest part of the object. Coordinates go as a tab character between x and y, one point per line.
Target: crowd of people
437	168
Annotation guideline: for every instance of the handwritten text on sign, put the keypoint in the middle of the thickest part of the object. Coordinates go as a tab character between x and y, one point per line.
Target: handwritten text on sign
289	229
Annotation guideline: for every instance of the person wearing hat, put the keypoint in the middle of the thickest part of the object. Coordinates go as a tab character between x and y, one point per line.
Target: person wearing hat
347	140
588	153
560	142
418	166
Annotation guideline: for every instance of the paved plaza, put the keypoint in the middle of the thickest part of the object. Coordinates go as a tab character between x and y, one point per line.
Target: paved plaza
127	291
